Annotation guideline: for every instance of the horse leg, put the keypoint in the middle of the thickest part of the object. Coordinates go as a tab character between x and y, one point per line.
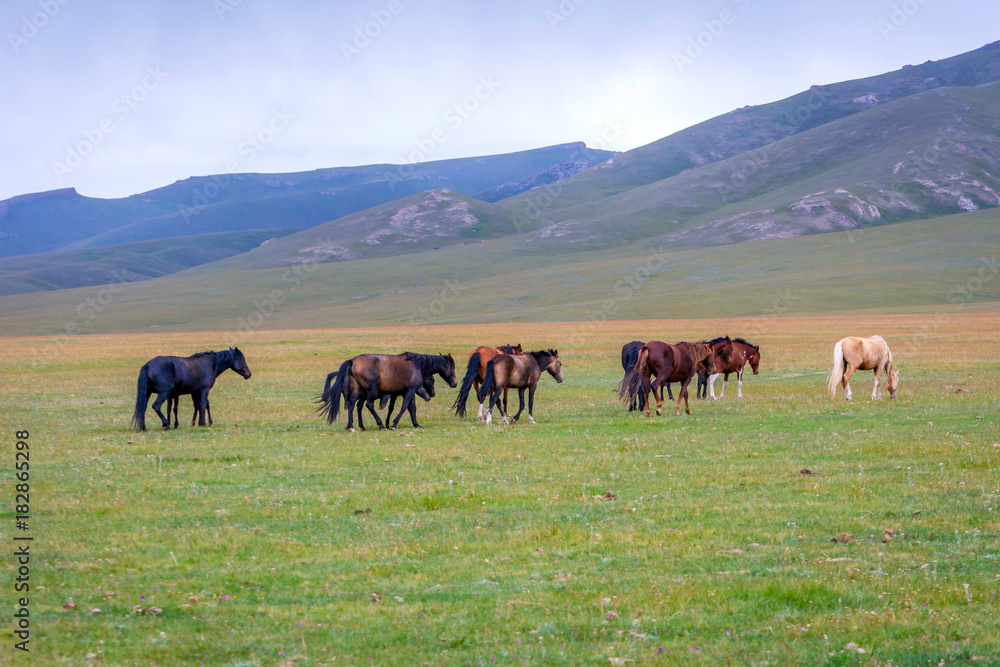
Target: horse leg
670	394
482	404
846	381
208	409
683	393
156	408
173	403
202	408
392	404
876	390
505	399
370	404
725	381
531	404
413	413
493	401
739	383
407	402
520	409
711	385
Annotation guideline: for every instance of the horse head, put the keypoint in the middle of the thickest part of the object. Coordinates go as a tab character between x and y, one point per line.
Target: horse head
554	367
240	363
893	383
754	360
448	374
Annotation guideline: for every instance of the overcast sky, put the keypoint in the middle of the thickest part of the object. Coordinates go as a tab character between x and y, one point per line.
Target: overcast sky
115	97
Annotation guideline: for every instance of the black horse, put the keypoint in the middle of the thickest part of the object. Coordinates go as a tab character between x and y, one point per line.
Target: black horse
630	352
378	374
173	377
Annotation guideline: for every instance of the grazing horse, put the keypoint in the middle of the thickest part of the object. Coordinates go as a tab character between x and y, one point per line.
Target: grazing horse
862	354
475	371
520	371
744	352
172	377
378	374
630	352
669	363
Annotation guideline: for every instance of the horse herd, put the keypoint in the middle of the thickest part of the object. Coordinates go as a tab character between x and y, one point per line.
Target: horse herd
491	372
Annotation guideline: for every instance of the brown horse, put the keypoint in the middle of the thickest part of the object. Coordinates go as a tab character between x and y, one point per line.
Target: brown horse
669	363
354	395
475	372
378	374
520	371
744	352
865	354
722	348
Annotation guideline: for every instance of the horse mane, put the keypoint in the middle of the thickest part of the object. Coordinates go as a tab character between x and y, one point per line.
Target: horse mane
716	340
543	353
746	342
509	349
427	363
202	354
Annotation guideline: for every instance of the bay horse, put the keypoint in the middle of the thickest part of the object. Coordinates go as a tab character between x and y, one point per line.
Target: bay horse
723	348
378	374
668	363
176	376
352	394
630	352
517	371
744	352
862	354
475	372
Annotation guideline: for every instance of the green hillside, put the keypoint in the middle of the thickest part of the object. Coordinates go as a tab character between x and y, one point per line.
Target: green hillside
935	153
750	128
940	265
124	263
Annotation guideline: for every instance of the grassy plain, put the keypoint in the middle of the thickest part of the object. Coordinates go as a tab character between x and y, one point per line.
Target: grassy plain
491	545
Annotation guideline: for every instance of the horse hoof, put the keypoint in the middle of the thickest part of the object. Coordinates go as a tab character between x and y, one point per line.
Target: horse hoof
351	430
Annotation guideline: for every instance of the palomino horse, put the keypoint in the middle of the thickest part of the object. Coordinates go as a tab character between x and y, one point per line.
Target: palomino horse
172	377
669	363
862	354
519	371
378	374
475	371
630	352
744	353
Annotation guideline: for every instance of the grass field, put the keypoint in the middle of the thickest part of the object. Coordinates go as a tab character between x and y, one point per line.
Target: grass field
273	538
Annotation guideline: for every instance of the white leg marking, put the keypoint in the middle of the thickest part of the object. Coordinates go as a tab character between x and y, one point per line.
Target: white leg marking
722	394
711	383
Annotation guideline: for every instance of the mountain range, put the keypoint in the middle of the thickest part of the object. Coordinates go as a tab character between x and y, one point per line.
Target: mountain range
918	144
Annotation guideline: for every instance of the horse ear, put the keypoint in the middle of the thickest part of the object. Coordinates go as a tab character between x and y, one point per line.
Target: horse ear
555	353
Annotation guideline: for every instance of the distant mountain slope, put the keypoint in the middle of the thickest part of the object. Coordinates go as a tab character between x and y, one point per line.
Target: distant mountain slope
750	128
929	154
61	219
421	222
123	263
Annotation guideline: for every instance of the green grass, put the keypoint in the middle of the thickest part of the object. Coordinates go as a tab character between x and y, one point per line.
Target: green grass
898	267
488	543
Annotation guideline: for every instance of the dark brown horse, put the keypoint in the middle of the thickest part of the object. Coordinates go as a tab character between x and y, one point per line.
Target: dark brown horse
630	352
743	353
518	371
353	396
475	371
668	363
176	376
378	374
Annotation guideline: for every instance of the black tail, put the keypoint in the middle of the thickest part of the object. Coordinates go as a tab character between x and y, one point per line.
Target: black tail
463	393
488	382
631	384
330	400
141	397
